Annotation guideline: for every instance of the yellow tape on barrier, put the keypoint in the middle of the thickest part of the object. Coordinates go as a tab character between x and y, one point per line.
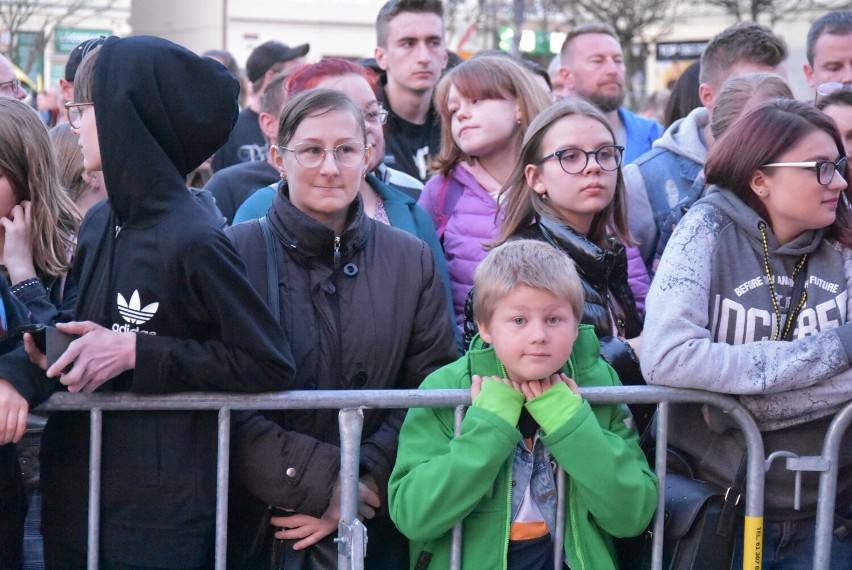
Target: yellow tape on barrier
753	551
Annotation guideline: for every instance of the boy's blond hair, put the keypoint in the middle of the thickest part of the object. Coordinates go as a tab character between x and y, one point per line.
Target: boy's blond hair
525	262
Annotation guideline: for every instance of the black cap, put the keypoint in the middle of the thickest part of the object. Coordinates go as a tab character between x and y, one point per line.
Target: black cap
267	54
77	55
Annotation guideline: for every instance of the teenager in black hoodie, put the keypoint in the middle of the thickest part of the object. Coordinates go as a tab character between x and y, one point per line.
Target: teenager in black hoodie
150	261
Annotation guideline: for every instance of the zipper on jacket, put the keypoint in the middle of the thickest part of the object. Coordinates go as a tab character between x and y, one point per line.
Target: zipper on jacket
573	517
336	253
117	230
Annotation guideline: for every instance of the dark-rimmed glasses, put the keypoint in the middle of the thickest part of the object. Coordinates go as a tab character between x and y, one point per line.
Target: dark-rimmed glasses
75	112
574	160
380	115
824	169
311	155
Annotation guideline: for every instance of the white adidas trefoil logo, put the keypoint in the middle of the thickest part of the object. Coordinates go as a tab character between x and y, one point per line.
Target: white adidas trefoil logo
133	312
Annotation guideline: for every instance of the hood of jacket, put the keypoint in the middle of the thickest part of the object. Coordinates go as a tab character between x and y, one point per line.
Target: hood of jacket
684	136
161	111
749	222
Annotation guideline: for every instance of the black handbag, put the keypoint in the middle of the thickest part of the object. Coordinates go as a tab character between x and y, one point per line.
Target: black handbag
698	529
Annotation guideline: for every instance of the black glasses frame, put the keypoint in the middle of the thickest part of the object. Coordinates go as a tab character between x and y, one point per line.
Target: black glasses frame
559	153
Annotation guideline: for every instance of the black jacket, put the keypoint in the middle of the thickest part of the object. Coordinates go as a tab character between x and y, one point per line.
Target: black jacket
374	317
151	261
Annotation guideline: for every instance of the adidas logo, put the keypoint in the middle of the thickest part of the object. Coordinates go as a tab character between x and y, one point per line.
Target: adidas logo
133	312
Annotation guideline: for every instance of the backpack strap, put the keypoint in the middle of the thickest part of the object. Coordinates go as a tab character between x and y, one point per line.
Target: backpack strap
272	299
448	197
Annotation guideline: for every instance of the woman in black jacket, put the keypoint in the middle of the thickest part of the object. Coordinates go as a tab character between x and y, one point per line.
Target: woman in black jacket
567	189
364	308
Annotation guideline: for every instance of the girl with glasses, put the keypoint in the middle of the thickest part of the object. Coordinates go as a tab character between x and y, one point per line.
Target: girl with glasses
364	308
764	256
566	189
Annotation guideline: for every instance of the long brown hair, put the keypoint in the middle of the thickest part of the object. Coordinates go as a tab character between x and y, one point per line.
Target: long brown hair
760	137
485	77
28	161
523	204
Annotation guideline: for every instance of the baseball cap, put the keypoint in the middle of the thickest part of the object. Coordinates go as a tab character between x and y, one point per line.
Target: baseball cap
78	53
267	54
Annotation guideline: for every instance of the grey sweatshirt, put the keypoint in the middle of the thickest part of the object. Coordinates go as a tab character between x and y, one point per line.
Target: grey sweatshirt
709	323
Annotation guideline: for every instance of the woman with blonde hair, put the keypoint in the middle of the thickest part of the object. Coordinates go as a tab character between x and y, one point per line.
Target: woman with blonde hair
486	104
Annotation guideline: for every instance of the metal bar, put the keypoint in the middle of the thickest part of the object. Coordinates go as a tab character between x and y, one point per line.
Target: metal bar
456	540
95	439
351	424
828	488
559	539
753	524
223	458
406	399
662	444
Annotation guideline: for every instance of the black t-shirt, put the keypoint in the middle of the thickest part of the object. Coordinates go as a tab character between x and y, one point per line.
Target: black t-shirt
246	143
409	147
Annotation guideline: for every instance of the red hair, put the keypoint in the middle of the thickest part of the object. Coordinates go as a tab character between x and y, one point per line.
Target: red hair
310	76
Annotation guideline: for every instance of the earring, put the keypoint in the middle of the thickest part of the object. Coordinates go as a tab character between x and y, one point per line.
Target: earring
519	121
283	176
544	196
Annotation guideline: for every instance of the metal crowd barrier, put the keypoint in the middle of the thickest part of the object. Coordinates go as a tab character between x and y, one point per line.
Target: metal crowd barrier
352	538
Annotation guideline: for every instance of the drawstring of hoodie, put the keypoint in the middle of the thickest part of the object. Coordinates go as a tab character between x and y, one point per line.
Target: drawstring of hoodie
792	316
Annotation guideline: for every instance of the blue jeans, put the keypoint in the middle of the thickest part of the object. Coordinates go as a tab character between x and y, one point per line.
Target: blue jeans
789	545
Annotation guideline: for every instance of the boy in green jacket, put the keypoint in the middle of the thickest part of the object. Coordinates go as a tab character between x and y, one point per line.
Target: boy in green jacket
527	419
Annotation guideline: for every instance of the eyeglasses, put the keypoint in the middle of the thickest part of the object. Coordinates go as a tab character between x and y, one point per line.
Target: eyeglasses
824	169
75	113
380	115
574	160
10	86
826	89
311	155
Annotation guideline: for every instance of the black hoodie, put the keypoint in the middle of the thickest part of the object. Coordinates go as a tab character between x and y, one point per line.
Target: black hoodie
150	261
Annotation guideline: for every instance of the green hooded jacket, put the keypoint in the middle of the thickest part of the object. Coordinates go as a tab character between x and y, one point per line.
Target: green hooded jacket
440	479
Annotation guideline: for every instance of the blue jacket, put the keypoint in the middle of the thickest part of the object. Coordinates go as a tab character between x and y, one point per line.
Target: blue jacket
662	177
641	134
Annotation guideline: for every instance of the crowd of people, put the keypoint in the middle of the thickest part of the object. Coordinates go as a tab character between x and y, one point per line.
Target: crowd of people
418	221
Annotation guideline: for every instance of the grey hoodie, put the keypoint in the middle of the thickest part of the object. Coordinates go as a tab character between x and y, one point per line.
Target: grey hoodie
708	325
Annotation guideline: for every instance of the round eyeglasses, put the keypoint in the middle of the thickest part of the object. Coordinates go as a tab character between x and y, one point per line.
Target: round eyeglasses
574	160
380	115
75	113
311	155
825	169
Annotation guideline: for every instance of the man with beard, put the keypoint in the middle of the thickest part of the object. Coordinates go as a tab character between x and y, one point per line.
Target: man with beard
593	67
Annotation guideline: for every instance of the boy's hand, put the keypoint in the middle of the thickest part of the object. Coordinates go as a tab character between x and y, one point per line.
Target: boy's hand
476	384
536	388
99	355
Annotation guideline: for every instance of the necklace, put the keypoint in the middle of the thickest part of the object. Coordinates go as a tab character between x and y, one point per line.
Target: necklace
792	316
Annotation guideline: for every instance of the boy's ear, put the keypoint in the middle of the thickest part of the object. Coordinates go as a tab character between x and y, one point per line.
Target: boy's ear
483	331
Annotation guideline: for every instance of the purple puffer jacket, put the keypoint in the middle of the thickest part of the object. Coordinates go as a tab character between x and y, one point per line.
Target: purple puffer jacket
637	278
473	221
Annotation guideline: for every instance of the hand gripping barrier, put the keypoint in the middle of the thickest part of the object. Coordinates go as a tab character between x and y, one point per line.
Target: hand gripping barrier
352	536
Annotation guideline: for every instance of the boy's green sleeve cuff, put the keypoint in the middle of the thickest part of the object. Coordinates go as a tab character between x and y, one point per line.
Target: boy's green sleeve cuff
554	407
500	399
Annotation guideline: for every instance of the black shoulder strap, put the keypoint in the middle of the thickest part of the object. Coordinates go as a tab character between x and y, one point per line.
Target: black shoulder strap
271	270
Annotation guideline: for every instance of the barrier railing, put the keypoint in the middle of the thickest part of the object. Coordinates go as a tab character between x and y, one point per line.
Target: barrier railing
352	538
